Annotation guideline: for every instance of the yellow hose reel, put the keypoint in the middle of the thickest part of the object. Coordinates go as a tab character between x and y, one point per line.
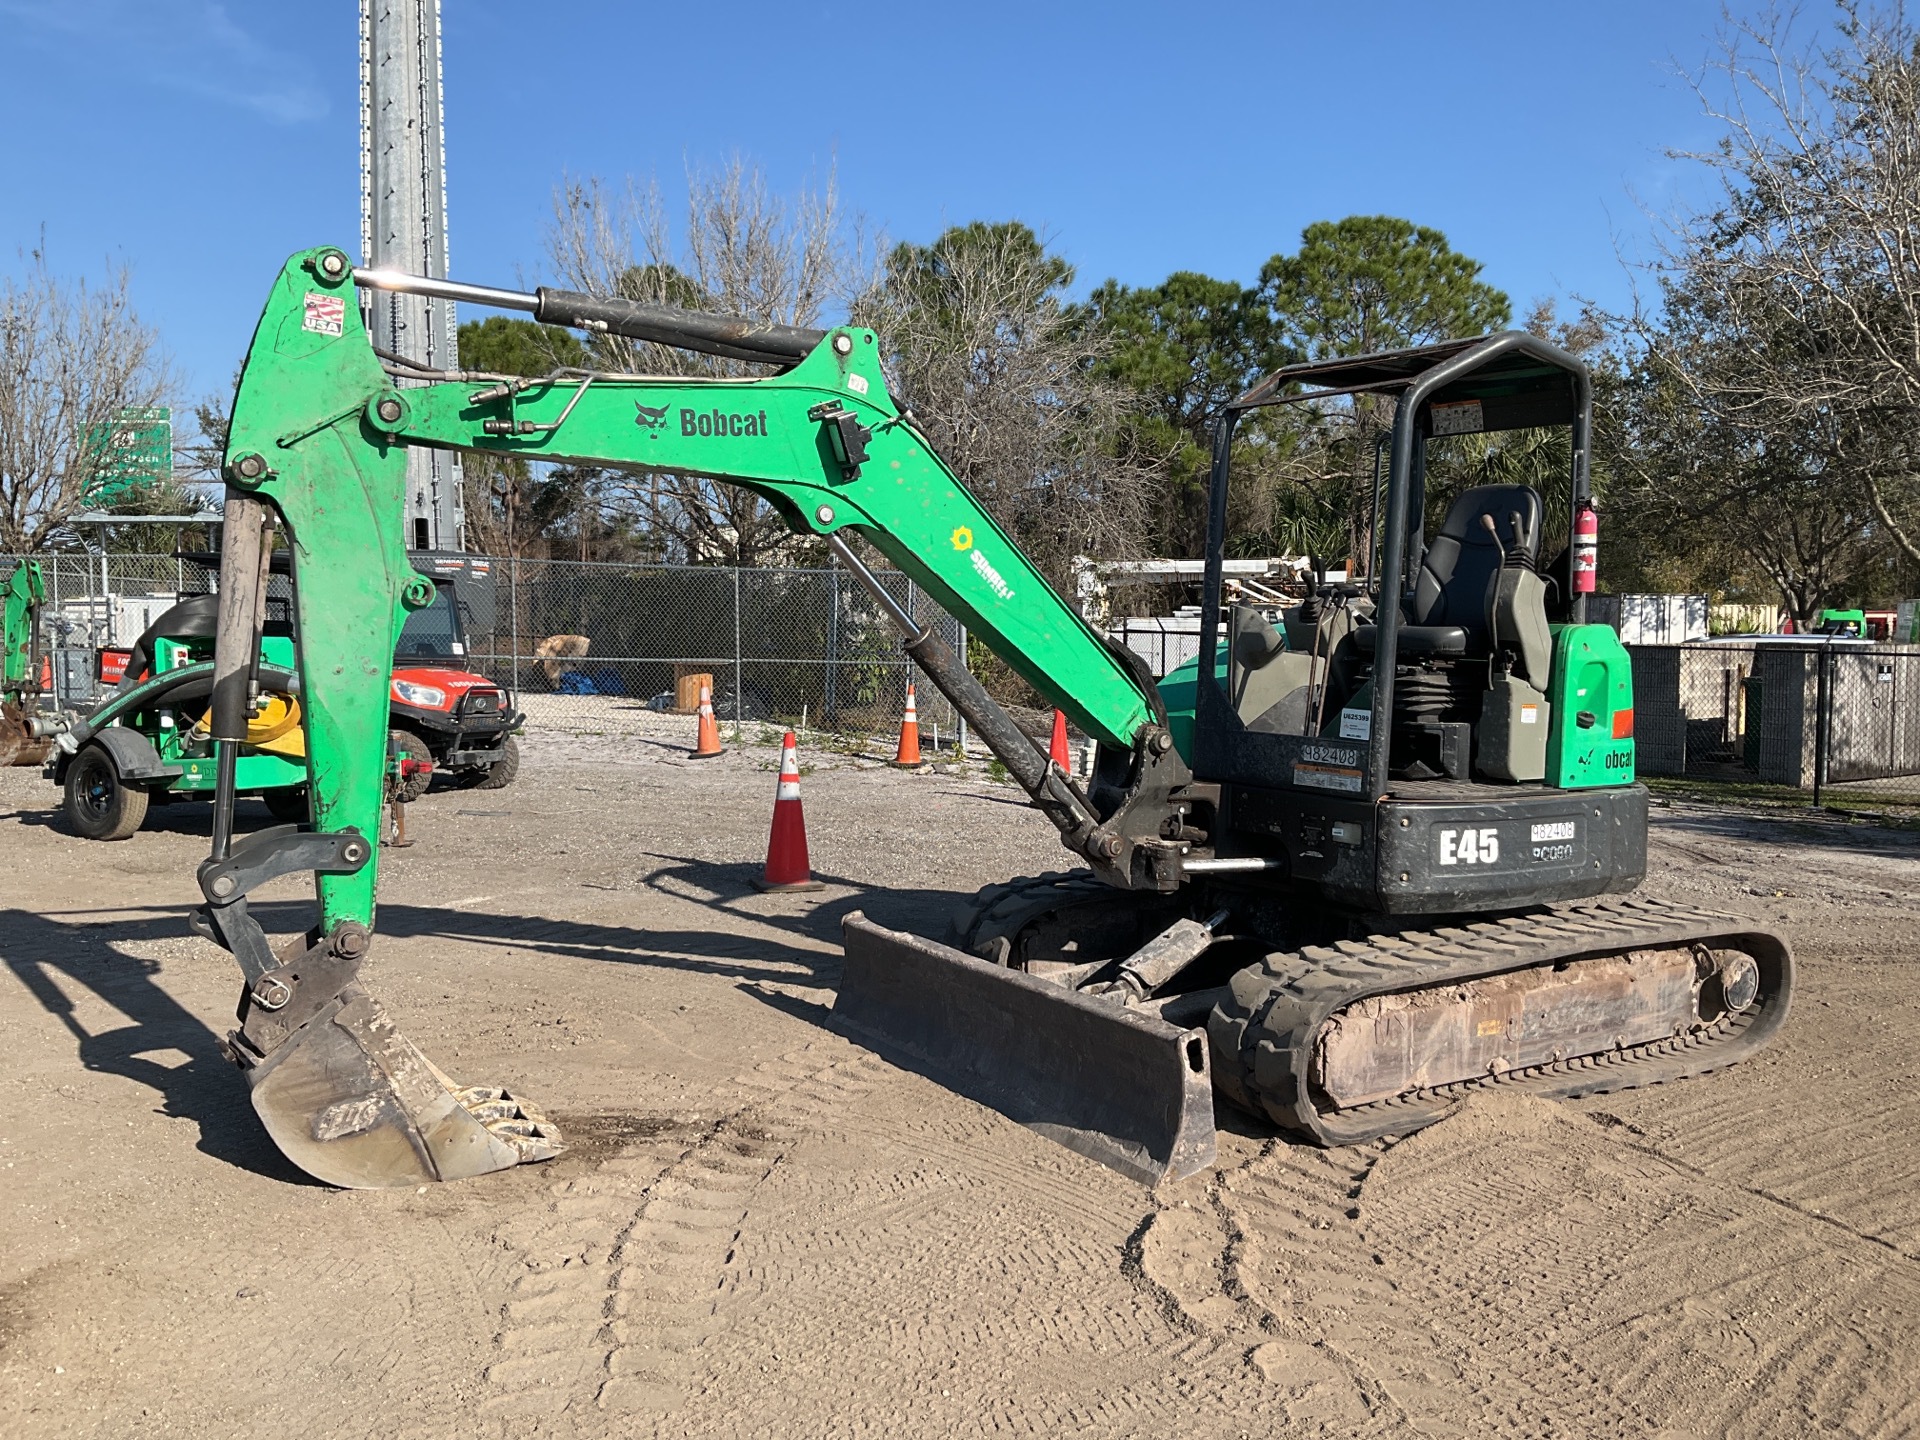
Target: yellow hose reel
275	729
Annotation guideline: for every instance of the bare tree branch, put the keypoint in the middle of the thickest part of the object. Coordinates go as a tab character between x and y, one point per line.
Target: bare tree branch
72	358
743	251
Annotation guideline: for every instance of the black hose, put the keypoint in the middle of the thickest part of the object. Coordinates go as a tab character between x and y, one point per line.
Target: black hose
725	335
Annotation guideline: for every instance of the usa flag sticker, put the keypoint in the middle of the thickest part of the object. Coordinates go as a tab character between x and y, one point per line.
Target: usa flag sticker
326	314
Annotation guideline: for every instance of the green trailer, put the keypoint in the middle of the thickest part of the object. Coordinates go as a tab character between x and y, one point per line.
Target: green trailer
151	741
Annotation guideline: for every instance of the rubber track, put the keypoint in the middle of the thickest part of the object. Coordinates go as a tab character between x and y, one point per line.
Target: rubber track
1262	1034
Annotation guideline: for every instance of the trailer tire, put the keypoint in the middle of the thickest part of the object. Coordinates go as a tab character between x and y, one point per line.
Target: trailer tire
98	804
498	775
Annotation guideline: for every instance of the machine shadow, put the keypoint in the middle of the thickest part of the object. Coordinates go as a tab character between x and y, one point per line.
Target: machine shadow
749	958
178	817
47	957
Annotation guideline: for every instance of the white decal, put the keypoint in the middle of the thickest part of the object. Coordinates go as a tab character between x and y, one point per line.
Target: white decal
1356	724
1469	847
1529	714
984	568
1326	777
857	384
1556	830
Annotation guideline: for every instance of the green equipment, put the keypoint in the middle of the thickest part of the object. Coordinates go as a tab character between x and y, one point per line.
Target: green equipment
20	604
1369	852
1844	622
149	738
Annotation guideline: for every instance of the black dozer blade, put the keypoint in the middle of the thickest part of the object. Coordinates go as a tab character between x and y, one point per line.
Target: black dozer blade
1118	1086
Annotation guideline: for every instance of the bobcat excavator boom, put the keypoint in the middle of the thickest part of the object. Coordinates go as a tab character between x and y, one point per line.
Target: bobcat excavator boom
1105	1041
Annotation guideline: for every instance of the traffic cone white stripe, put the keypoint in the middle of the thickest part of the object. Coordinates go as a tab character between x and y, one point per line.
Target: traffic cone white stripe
706	742
907	757
787	866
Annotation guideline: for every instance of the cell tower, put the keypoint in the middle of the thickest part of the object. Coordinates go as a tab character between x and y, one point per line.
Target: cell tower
403	226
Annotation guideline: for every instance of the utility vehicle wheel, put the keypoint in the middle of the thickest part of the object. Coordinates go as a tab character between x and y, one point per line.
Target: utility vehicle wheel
412	747
99	804
498	775
288	803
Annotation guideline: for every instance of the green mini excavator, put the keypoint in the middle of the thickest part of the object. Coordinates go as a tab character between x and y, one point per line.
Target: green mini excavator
1369	852
20	601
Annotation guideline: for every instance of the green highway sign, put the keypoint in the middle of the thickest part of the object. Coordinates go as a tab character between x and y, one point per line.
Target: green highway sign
135	448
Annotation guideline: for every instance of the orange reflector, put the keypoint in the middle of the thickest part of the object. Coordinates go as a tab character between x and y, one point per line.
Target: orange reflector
1623	724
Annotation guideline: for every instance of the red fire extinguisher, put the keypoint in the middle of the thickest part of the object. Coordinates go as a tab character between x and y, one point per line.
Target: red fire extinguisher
1586	549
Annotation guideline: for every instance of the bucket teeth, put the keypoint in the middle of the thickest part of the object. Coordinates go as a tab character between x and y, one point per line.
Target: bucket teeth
515	1121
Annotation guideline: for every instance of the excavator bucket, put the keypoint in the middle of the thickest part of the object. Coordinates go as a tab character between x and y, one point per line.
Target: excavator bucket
353	1102
1116	1085
17	745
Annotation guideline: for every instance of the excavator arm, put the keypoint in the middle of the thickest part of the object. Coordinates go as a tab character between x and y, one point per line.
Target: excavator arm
20	602
21	598
318	442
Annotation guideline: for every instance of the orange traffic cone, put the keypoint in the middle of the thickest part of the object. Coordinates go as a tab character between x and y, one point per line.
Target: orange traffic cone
706	744
787	867
1057	747
909	756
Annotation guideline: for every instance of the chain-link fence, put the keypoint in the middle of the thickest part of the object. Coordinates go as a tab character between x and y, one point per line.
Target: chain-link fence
588	646
584	644
1834	723
591	647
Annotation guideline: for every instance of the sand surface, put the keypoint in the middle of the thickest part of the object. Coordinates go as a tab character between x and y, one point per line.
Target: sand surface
761	1229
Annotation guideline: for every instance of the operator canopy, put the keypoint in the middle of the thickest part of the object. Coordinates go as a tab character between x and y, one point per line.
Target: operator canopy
1508	381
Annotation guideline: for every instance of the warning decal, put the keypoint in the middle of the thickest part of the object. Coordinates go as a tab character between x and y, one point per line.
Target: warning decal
325	314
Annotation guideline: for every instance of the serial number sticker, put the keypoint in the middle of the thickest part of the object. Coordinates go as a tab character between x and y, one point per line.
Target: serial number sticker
1556	830
1553	854
324	314
1328	777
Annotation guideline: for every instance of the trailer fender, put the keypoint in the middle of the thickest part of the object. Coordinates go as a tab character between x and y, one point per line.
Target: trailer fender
132	753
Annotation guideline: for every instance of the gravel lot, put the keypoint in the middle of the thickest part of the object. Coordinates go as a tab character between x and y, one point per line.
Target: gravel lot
762	1229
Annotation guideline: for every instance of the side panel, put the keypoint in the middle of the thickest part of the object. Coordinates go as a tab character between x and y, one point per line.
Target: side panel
1592	697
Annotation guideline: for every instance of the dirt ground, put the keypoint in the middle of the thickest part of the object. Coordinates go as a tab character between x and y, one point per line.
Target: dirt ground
761	1229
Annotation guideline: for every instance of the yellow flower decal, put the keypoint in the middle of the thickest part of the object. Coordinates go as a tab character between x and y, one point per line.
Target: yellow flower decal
963	538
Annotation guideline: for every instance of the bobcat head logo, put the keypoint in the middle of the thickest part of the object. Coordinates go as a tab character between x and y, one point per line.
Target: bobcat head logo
649	418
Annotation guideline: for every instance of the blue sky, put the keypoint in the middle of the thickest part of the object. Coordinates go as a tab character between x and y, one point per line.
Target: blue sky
201	143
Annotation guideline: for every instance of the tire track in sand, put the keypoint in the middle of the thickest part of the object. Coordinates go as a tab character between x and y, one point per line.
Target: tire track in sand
1606	1289
622	1276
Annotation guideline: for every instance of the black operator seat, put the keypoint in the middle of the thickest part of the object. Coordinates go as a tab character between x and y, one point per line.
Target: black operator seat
1450	611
